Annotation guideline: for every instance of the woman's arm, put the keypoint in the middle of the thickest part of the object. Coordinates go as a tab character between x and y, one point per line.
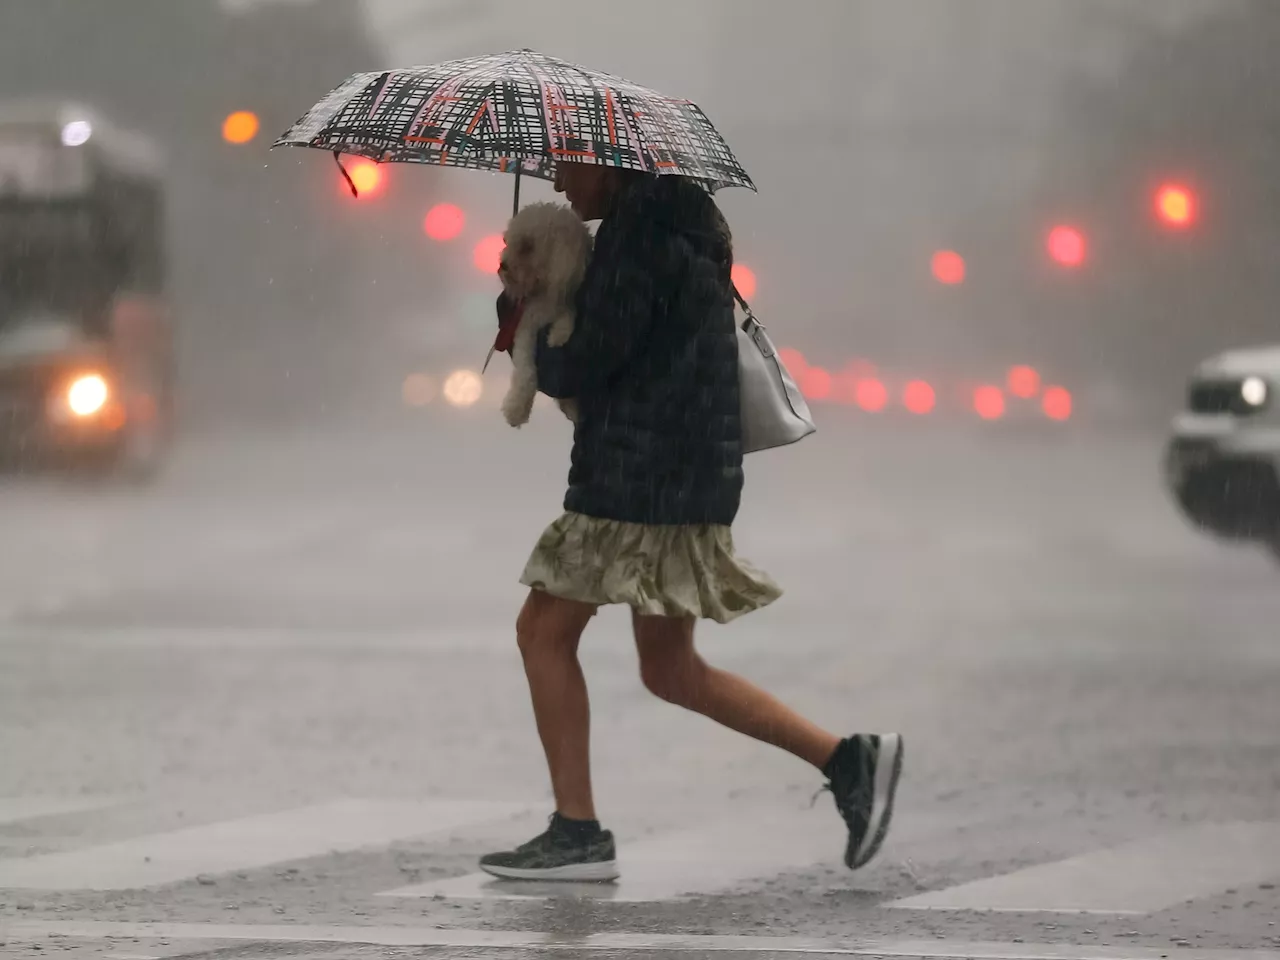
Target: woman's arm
616	309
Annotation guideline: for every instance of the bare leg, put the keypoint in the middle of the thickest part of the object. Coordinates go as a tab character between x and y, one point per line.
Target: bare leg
673	670
548	631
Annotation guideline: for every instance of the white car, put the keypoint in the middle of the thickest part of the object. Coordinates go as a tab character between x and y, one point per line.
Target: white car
1222	464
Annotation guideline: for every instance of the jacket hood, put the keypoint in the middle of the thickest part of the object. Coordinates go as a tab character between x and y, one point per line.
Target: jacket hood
682	206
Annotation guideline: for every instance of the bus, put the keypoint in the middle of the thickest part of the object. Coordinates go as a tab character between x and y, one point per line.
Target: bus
86	335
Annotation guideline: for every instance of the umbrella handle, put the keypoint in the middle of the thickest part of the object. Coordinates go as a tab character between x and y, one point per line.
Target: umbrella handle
515	200
337	158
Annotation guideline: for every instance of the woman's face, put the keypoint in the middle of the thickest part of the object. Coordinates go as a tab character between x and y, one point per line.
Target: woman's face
585	186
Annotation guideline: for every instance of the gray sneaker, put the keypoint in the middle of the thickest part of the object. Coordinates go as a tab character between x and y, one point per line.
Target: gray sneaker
556	855
864	781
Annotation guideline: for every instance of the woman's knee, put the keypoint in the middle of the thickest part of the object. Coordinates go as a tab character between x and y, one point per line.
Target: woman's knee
550	623
675	677
670	667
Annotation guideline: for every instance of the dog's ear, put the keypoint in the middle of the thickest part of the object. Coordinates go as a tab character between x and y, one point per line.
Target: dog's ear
513	226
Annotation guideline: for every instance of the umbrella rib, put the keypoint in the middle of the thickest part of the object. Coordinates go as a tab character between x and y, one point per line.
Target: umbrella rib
526	60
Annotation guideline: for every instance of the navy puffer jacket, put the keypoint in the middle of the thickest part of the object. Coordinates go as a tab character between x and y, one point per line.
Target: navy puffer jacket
653	363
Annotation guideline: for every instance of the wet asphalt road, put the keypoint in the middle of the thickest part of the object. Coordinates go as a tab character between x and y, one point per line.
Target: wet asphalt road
275	697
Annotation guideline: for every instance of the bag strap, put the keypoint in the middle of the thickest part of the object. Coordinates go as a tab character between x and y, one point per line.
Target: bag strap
746	308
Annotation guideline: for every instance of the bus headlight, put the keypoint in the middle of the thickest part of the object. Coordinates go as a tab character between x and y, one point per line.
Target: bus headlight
87	395
1254	391
76	133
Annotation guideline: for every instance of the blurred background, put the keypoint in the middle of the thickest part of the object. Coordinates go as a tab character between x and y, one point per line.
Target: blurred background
947	190
995	237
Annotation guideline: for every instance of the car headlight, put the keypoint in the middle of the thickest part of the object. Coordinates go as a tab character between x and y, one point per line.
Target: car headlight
1254	391
87	395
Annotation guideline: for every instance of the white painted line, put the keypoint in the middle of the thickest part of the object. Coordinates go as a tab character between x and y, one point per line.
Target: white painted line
13	809
245	843
699	861
705	859
671	943
1137	878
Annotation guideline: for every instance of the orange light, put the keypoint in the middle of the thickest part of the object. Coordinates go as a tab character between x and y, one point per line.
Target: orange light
463	388
988	402
1056	403
1024	382
745	280
443	222
1176	205
948	267
240	127
1067	246
487	255
88	394
815	383
366	175
918	397
871	395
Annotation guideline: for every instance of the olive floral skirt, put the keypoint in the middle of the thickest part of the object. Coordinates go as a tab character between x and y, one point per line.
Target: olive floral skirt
670	571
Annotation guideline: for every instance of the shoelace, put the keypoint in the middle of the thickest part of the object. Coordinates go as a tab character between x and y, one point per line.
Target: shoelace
850	802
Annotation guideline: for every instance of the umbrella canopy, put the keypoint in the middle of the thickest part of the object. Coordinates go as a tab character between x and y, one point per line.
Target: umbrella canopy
519	112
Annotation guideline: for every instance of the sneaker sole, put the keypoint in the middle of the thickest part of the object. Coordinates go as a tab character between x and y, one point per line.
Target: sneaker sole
599	872
888	771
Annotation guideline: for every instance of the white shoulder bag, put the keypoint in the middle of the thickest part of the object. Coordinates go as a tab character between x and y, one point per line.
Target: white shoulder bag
774	412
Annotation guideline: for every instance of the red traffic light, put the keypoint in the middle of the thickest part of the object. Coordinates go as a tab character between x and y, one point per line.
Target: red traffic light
1176	205
988	402
1067	246
744	279
919	397
1056	403
871	395
1024	382
815	383
444	221
487	255
948	267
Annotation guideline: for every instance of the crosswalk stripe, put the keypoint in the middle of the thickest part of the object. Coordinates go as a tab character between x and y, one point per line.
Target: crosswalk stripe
246	843
706	859
701	860
1136	878
15	809
595	942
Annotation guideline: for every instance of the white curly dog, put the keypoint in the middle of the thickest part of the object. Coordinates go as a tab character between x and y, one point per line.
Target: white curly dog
545	259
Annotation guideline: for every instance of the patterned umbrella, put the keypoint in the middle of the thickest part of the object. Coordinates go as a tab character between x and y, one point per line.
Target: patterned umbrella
518	112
